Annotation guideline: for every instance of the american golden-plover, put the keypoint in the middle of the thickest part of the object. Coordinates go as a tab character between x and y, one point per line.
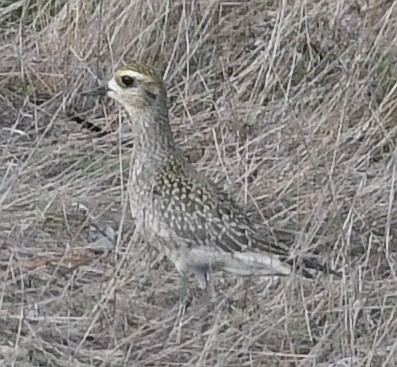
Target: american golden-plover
197	225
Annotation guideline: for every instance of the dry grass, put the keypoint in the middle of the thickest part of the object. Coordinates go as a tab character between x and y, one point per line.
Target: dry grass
291	103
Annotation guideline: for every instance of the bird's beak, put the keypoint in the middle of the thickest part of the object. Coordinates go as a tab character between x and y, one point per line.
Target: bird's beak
101	91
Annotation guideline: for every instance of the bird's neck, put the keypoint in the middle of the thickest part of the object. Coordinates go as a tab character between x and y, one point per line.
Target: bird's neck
152	132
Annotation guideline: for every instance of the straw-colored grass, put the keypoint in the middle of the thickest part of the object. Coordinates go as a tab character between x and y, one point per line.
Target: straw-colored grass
291	104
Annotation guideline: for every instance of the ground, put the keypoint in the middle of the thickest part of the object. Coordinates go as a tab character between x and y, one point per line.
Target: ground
291	105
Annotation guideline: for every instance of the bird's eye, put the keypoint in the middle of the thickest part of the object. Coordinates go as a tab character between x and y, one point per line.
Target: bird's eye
128	81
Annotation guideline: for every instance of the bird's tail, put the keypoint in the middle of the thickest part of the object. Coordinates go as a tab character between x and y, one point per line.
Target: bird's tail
309	266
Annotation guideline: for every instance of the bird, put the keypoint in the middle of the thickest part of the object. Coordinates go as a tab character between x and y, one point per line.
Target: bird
188	217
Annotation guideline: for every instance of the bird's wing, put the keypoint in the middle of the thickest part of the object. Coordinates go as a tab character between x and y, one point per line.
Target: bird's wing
204	215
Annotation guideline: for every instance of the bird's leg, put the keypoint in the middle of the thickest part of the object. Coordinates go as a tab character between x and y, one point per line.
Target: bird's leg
202	277
186	293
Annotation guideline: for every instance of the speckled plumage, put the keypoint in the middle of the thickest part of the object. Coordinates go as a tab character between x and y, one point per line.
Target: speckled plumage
182	213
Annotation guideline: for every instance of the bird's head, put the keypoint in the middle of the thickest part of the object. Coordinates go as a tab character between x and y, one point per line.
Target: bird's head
141	91
136	86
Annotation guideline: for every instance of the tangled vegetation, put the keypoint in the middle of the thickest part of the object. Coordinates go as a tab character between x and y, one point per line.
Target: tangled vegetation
292	105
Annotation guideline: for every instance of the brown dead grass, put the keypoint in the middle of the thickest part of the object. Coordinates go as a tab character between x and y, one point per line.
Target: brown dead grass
291	103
